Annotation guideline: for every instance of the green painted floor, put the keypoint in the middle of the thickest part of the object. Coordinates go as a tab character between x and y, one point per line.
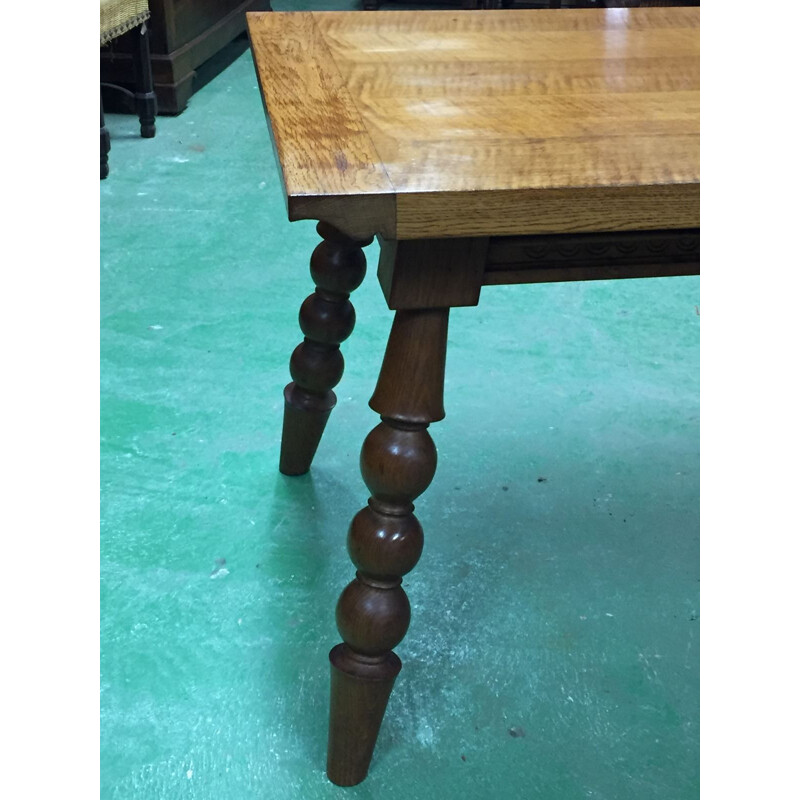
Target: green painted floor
553	650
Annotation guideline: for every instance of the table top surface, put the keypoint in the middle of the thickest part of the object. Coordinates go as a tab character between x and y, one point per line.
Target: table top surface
470	123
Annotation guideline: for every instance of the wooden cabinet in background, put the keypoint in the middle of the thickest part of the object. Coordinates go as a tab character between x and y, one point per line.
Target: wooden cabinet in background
191	41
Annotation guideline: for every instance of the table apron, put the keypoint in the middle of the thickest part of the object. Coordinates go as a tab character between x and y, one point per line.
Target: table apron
592	256
431	273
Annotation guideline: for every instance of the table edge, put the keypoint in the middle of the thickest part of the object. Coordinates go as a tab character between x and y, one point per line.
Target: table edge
406	215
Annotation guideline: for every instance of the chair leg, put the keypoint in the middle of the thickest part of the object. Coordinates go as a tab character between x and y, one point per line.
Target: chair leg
145	97
105	142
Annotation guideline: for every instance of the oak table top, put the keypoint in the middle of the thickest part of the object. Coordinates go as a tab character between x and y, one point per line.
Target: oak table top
476	123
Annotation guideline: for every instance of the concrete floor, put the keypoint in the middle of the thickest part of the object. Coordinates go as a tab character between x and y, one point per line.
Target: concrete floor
553	651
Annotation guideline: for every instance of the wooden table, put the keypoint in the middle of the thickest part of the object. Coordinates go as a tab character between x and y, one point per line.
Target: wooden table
481	147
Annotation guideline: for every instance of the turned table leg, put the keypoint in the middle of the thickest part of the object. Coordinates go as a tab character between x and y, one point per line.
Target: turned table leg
398	461
327	317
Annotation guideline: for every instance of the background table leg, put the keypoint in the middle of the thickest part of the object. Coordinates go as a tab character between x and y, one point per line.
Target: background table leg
327	318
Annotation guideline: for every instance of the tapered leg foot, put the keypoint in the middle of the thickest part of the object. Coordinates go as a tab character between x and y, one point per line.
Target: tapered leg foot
398	461
327	318
359	693
304	418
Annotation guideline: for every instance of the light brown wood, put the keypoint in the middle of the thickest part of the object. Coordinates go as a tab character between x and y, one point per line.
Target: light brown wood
475	123
327	158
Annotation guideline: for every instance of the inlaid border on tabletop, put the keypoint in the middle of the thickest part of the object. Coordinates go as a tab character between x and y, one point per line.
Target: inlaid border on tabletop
332	171
537	122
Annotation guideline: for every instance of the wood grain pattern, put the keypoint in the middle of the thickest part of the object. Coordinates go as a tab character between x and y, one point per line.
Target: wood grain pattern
487	123
328	162
398	461
432	273
583	209
327	318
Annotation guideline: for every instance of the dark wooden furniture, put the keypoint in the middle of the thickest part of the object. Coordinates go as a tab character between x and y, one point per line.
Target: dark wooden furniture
191	41
372	5
482	148
590	3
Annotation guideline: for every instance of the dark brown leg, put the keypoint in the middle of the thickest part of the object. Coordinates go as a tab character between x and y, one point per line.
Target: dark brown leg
145	97
105	142
398	461
327	318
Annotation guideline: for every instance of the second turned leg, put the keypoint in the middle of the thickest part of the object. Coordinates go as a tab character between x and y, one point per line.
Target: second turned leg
398	461
327	317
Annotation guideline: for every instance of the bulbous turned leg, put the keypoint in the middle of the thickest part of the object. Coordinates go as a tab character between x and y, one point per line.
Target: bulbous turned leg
327	318
398	461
